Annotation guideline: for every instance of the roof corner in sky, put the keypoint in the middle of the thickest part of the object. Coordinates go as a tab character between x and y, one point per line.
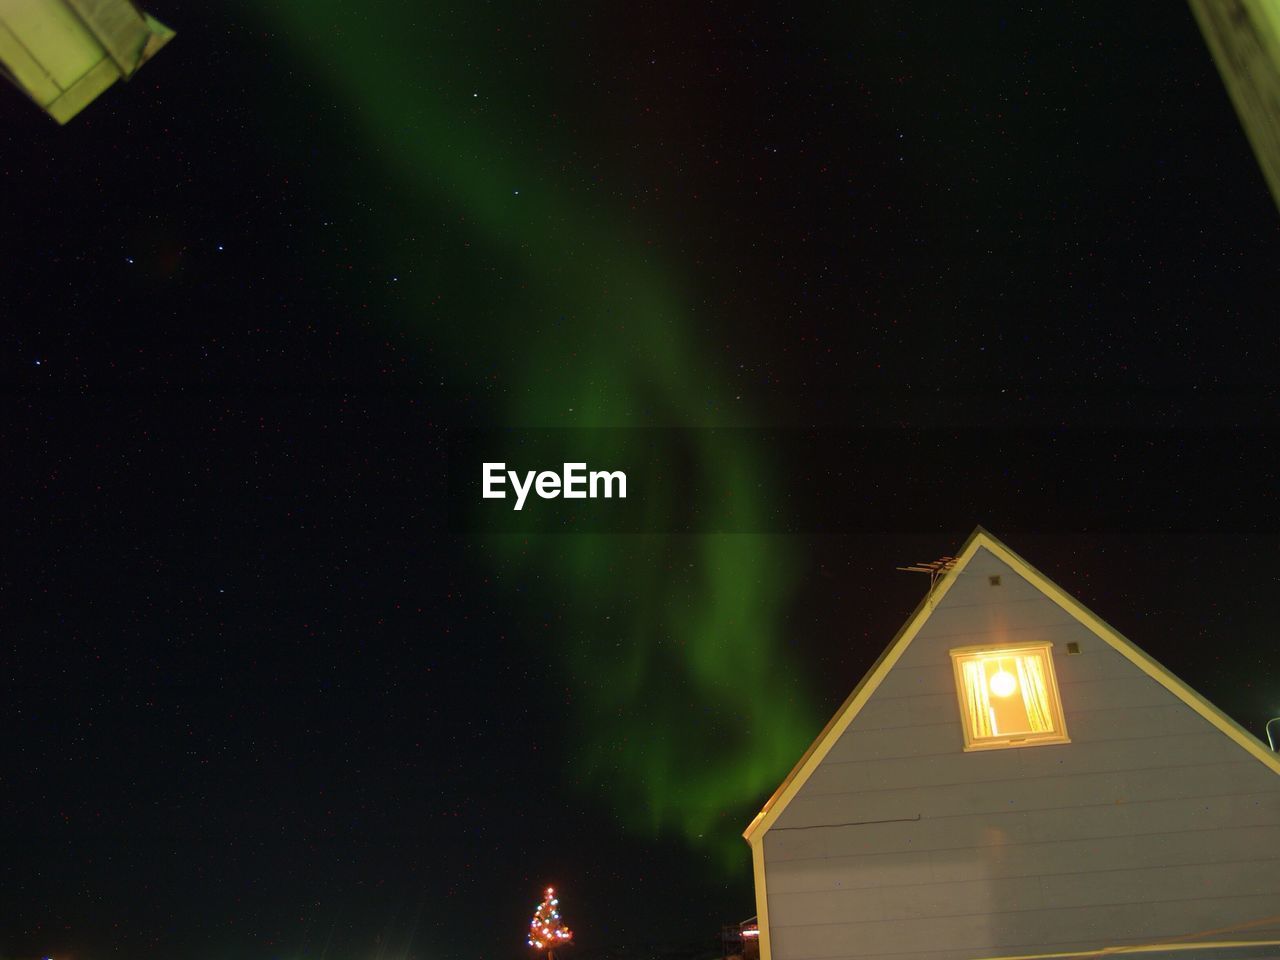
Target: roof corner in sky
64	53
978	540
1244	38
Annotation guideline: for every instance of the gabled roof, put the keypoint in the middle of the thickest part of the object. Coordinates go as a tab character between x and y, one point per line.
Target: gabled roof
978	540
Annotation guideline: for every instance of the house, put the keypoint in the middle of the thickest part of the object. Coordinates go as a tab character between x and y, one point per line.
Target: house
1013	778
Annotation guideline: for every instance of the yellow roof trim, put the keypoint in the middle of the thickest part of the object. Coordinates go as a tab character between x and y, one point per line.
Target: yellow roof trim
1144	948
980	538
837	725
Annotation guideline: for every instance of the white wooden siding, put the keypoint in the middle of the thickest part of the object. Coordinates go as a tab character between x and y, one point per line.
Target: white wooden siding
1150	824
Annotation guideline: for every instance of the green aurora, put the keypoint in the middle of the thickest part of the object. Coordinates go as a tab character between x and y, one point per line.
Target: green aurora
686	708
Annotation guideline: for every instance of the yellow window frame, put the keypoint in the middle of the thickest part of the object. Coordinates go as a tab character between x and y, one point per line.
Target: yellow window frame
1037	687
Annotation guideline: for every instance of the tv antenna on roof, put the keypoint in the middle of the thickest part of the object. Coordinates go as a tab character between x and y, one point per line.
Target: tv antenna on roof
934	568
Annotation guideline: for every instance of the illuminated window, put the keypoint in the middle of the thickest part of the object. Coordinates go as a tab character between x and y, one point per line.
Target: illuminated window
1008	696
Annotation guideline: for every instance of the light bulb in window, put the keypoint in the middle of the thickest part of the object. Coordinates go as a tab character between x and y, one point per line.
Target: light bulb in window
1002	683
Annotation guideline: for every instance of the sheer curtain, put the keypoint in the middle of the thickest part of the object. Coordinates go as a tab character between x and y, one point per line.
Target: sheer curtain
975	686
1035	693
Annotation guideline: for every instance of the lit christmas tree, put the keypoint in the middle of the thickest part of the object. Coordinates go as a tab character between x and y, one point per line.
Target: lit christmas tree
547	931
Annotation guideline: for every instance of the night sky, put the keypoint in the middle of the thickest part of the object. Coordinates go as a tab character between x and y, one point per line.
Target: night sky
271	688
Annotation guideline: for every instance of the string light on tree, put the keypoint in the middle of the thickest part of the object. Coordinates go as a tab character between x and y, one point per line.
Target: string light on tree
547	930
